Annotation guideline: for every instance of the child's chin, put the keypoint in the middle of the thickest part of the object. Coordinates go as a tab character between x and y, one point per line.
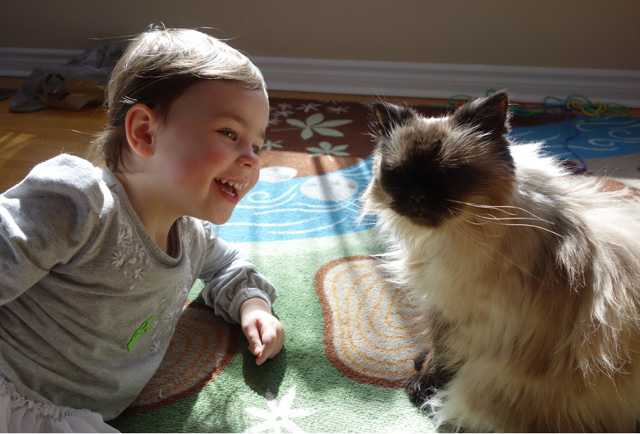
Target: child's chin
218	220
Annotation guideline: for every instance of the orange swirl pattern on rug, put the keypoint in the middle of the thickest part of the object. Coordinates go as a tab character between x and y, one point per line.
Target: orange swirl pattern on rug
202	346
372	330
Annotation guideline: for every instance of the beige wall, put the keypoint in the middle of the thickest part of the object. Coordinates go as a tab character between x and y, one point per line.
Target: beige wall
562	33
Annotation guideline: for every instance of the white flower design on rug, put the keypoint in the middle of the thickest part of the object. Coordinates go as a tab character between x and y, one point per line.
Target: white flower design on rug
278	418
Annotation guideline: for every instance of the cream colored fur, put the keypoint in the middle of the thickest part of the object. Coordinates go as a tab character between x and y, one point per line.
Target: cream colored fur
531	350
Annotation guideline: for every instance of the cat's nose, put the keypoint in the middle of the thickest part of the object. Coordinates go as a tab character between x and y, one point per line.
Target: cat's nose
416	200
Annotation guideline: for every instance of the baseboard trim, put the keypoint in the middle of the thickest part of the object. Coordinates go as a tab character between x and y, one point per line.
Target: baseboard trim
400	79
443	80
19	62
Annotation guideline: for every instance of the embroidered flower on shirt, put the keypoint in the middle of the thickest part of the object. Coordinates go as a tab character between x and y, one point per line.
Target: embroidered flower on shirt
118	258
129	257
124	236
166	322
138	273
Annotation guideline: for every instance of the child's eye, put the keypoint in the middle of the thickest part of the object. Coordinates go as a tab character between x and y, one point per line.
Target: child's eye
257	149
230	134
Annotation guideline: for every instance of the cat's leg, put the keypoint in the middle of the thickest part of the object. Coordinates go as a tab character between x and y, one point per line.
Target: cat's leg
429	377
433	370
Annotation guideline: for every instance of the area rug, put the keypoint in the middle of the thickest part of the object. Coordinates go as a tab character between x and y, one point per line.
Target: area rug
350	335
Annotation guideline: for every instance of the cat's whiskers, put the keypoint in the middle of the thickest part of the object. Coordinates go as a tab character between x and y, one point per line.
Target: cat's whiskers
488	219
478	236
477	223
365	216
534	227
503	208
351	206
365	219
515	221
507	221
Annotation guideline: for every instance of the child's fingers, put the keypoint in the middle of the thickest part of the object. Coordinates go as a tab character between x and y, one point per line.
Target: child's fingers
266	347
272	344
255	342
262	357
270	339
264	333
256	348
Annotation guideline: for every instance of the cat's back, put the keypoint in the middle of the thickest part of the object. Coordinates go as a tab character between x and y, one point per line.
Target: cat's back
603	205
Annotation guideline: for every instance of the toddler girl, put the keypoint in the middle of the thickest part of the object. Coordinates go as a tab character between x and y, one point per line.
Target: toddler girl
96	263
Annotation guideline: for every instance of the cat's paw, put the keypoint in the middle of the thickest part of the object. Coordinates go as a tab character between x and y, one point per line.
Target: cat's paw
430	376
418	390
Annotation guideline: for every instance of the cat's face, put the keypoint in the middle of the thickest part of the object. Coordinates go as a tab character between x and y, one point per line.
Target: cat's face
430	169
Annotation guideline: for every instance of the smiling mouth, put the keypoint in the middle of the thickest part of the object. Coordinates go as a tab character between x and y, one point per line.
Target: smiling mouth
232	188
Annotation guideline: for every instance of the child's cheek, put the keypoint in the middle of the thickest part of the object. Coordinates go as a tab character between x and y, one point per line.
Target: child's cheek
193	169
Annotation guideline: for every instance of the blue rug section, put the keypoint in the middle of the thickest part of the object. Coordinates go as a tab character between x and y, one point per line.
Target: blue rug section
325	205
588	137
310	207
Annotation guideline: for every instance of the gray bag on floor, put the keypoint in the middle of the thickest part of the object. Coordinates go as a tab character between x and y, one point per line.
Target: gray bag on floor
73	85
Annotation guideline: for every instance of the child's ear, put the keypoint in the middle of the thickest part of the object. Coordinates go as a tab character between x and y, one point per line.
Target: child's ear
139	128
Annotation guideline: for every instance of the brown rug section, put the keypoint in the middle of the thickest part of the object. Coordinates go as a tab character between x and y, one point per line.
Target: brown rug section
372	331
310	135
625	167
202	346
631	193
322	136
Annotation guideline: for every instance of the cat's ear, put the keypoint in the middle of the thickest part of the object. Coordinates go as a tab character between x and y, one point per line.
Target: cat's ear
387	116
489	115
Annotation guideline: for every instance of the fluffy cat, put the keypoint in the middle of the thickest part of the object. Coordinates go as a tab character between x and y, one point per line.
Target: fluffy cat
529	275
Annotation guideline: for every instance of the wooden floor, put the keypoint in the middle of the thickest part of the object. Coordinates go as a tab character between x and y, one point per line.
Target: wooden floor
27	139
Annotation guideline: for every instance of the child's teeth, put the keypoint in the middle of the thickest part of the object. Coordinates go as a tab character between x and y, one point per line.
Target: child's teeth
235	185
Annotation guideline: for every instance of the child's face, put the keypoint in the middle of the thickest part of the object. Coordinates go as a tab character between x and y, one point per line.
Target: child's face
206	151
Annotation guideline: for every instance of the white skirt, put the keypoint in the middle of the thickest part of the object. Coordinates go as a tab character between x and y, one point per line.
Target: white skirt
18	414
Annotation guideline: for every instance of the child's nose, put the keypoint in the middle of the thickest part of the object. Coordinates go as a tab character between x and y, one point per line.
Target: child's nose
248	158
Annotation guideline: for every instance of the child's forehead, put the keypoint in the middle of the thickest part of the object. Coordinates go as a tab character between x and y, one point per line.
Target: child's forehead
223	91
223	98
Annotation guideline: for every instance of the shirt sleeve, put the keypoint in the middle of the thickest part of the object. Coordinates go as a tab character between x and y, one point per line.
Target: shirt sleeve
230	279
45	220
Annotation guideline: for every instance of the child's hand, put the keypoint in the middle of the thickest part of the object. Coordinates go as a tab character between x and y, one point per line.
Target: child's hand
262	329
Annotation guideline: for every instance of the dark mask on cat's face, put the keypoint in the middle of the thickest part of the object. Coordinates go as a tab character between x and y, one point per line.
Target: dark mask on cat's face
426	169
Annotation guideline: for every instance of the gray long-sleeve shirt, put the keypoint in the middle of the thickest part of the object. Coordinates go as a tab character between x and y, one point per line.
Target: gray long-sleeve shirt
88	302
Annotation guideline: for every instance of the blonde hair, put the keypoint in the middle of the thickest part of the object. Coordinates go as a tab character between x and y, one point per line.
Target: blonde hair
155	69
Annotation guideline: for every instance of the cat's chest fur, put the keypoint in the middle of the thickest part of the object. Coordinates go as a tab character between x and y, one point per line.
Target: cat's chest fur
456	275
